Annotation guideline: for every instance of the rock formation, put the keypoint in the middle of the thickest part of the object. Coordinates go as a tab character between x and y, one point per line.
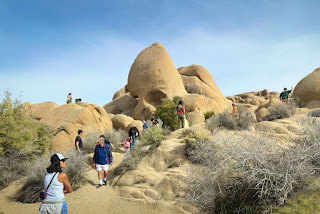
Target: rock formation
153	77
308	90
67	119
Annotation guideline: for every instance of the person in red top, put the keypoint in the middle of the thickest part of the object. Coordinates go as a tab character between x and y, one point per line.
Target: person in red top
181	113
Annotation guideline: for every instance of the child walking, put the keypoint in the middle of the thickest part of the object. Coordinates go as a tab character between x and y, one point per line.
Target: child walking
126	144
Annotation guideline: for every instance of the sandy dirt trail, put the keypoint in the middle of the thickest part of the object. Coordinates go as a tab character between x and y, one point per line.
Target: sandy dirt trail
87	199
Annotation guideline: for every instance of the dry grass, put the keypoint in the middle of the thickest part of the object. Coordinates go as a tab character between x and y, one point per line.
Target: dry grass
76	170
250	174
225	120
282	110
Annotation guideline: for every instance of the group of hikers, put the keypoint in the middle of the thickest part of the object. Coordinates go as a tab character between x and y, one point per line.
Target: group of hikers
58	181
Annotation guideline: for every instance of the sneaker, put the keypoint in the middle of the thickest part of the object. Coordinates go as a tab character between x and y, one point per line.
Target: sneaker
105	182
100	185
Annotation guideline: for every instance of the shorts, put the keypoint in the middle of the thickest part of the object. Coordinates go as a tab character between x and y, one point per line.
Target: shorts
102	167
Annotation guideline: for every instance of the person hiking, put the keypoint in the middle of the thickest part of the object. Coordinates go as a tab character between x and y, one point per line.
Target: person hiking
126	144
78	141
133	134
69	98
145	124
284	96
181	113
57	184
102	159
235	113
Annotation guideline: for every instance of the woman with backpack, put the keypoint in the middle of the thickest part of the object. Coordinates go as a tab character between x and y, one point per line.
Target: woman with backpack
181	114
56	185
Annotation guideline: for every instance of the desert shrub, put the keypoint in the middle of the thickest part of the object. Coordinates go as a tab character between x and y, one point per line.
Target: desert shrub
314	113
282	110
152	136
116	137
195	144
12	167
166	131
76	169
131	160
21	139
225	120
167	113
113	136
250	174
208	114
35	175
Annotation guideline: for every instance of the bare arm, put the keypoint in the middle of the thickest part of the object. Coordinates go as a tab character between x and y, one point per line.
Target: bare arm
78	148
63	178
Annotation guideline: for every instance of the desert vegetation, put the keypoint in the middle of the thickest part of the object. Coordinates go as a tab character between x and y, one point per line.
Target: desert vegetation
282	110
22	139
113	136
150	140
76	170
168	113
249	173
225	120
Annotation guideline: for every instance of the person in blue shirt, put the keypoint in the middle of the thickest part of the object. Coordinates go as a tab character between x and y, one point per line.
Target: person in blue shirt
102	159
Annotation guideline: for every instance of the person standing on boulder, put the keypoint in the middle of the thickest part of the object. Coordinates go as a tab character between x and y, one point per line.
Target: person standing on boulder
133	134
102	159
69	98
181	114
78	141
284	96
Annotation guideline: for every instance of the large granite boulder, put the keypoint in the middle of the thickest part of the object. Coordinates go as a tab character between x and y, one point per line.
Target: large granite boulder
308	90
67	119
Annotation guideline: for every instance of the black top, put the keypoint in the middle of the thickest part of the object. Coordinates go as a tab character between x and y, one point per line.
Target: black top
133	132
78	139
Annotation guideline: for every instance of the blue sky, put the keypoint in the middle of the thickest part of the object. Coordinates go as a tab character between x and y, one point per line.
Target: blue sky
49	48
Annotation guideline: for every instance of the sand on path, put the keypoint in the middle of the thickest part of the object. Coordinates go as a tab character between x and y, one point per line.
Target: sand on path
88	199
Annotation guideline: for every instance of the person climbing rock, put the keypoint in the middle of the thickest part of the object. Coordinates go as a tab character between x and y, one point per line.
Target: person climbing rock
284	96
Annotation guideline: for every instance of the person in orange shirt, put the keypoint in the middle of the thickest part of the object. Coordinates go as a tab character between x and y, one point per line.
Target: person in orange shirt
235	113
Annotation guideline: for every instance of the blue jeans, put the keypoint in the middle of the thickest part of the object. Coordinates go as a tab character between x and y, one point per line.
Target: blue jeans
64	209
132	145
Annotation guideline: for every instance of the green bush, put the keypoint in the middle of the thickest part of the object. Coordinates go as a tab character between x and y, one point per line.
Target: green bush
168	113
195	144
22	139
76	169
208	114
152	136
225	120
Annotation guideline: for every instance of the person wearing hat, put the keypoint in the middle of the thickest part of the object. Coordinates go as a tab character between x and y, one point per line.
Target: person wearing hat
102	159
145	124
57	184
